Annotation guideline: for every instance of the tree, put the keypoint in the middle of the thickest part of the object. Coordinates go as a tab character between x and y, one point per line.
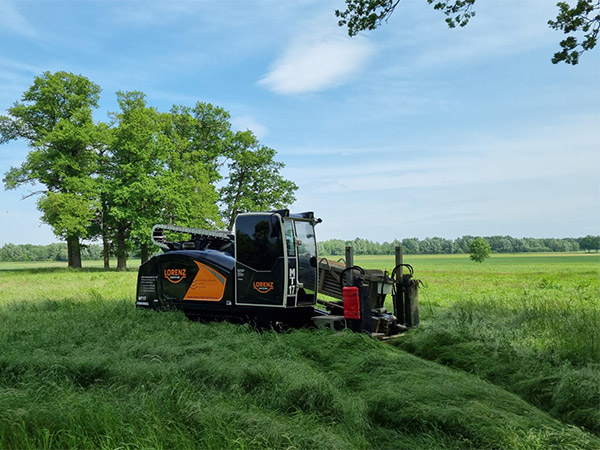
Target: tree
203	133
334	247
583	18
411	246
589	243
55	118
100	224
70	215
479	249
254	182
200	139
161	168
133	175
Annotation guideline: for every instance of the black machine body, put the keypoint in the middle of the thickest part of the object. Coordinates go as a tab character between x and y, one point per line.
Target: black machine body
267	272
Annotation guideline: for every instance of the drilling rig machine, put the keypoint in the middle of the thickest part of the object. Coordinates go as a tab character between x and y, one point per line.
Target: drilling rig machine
267	272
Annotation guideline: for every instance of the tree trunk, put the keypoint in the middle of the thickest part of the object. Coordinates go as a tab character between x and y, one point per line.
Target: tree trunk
145	253
105	241
74	252
105	250
121	250
69	254
232	219
234	205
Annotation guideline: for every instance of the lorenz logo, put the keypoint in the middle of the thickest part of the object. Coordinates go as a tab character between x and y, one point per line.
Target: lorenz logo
175	275
263	286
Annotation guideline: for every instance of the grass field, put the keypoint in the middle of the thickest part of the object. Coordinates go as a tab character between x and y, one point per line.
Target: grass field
527	322
513	346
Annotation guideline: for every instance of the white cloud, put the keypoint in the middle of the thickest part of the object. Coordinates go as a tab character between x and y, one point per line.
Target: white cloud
543	154
12	21
540	181
15	78
243	123
317	61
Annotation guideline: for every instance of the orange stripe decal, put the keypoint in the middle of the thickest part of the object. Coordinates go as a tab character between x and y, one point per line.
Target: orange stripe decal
208	285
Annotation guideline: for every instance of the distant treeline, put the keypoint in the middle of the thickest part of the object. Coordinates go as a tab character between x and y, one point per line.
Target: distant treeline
51	252
437	245
411	246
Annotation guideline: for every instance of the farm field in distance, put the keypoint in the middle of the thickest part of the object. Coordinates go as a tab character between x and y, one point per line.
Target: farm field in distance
507	356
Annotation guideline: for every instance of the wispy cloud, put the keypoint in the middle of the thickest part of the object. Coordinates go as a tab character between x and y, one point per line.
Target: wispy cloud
544	154
15	77
12	21
317	60
244	123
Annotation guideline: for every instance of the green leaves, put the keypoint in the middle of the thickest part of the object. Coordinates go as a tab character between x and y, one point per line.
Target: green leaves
580	22
118	179
583	18
590	243
458	12
479	249
68	214
52	97
254	182
55	118
361	15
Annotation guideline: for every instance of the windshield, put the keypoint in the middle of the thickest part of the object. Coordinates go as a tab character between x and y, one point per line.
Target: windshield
307	262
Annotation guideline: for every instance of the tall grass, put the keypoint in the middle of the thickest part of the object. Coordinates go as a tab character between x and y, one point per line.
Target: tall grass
100	374
529	323
80	367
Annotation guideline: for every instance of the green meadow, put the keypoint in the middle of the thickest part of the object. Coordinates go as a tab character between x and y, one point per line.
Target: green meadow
527	322
507	356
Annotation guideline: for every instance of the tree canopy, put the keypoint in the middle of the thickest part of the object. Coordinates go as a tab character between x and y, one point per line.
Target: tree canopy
54	116
590	243
479	249
461	245
581	22
254	181
116	180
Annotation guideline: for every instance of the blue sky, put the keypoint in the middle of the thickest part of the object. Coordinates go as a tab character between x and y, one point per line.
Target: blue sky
412	130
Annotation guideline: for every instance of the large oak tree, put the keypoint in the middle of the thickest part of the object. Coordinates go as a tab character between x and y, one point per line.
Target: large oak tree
116	180
54	117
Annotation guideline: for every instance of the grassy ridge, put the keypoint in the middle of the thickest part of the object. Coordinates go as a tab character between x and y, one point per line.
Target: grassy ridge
100	374
529	323
80	367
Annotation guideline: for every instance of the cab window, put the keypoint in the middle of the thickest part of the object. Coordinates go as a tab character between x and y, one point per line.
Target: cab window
258	241
290	240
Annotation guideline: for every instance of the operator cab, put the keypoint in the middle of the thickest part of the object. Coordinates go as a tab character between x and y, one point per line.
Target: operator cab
276	259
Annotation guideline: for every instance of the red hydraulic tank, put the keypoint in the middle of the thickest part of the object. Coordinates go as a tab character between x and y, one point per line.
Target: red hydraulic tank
351	302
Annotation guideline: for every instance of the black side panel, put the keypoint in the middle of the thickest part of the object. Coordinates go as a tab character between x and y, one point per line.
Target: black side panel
186	277
147	292
177	273
260	288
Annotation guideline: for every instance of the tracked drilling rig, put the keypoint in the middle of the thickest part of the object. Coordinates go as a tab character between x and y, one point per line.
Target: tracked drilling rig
267	272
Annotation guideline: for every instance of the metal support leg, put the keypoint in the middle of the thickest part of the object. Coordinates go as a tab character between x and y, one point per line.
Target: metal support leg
398	298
